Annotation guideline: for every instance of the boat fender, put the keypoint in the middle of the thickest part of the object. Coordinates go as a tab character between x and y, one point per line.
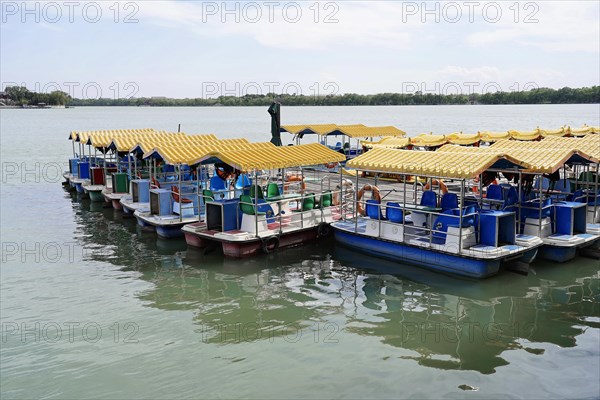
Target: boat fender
324	229
270	244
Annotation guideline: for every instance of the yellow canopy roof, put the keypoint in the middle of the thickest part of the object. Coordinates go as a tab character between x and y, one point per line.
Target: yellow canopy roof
460	165
491	137
126	143
464	139
589	144
319	129
390	142
189	153
361	131
83	136
353	131
277	157
428	140
584	130
540	158
554	132
594	129
525	135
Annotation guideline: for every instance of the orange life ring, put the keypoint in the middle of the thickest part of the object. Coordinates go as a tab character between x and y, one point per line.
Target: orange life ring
375	193
329	165
295	178
440	183
475	187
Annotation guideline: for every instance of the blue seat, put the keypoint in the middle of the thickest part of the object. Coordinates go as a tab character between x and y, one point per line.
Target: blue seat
217	183
429	199
449	201
469	214
243	182
543	185
532	209
393	212
373	209
512	197
442	222
494	192
563	185
263	207
577	196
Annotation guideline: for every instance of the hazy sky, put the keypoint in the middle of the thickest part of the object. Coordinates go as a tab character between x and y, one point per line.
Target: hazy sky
205	49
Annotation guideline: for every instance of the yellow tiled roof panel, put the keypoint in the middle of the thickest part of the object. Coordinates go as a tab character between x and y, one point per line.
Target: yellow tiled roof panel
525	135
319	129
279	157
459	165
464	139
362	131
83	136
428	140
189	153
126	143
554	132
542	158
491	137
390	142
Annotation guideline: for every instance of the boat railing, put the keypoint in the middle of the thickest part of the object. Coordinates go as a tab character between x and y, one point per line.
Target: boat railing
432	231
297	210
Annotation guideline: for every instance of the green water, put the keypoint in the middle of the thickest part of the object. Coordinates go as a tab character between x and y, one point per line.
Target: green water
92	307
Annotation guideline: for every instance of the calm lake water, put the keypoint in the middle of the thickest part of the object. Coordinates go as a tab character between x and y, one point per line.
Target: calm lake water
91	307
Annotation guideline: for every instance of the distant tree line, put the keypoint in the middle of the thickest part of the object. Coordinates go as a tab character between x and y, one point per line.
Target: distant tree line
565	95
21	96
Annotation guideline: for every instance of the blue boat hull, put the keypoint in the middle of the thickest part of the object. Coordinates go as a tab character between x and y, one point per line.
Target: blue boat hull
442	262
529	256
127	210
144	224
169	232
557	254
79	188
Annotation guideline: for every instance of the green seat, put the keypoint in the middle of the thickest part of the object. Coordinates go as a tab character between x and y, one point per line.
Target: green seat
254	190
247	206
309	202
587	176
273	191
326	199
208	195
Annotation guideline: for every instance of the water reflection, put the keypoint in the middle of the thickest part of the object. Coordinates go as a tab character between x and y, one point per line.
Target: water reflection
436	320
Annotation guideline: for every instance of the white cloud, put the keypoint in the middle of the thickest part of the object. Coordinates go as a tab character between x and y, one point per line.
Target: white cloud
570	26
358	23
